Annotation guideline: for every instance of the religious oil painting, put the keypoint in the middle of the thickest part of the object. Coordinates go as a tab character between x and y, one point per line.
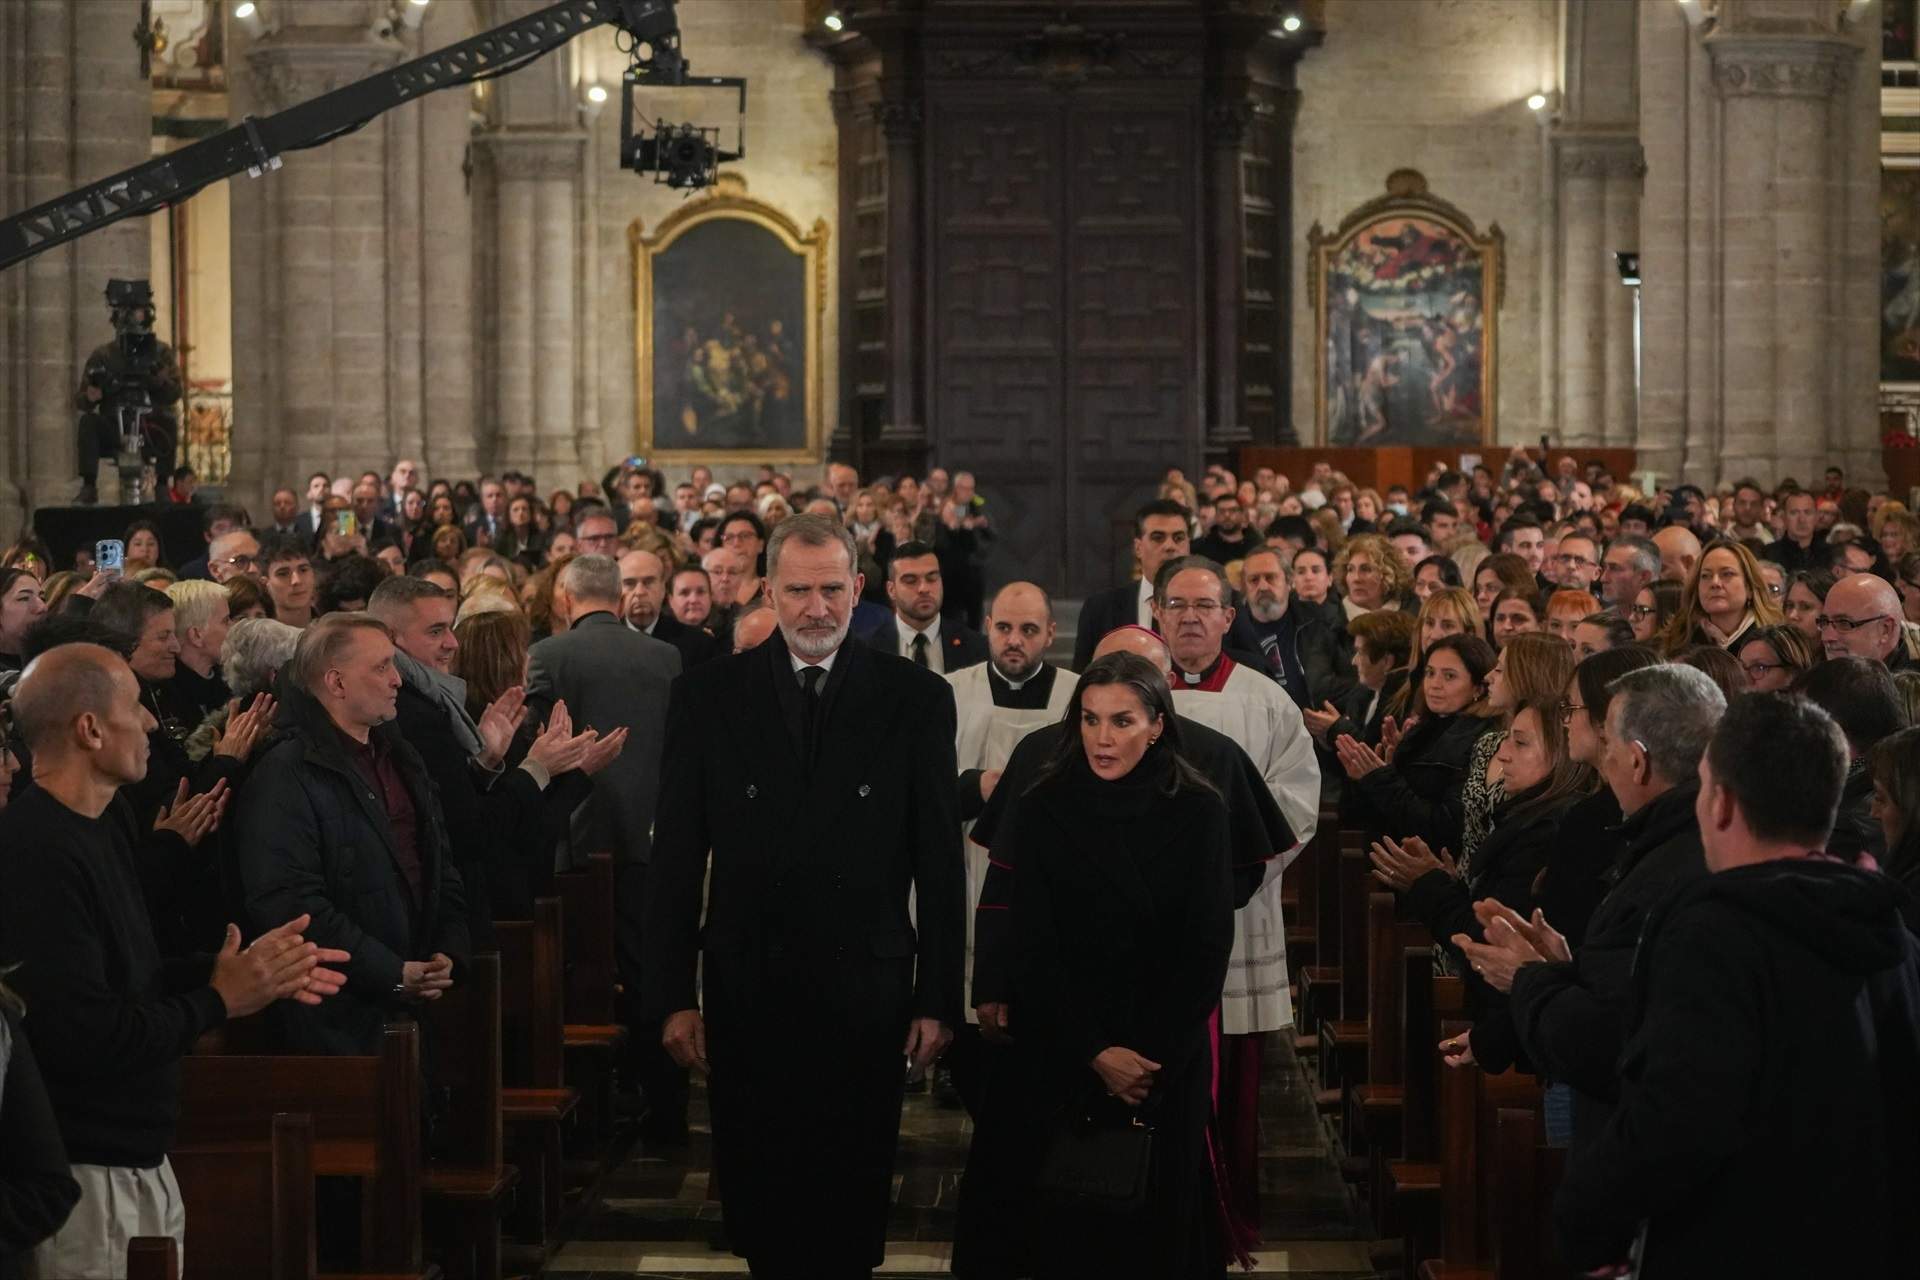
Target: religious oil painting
1900	272
1405	296
729	298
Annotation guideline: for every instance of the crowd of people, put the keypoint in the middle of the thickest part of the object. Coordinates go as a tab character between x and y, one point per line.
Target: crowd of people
1645	765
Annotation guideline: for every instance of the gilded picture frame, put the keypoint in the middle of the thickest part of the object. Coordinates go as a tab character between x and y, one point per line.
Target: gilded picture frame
730	300
1406	297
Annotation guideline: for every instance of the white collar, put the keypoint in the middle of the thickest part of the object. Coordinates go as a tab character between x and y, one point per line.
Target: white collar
907	633
800	664
1015	685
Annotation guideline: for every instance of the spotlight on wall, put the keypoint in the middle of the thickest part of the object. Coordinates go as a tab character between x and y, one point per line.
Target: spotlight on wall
413	13
1290	23
1627	263
1537	102
247	14
592	101
833	21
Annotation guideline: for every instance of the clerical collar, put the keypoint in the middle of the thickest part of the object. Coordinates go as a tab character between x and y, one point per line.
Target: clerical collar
1212	680
1015	685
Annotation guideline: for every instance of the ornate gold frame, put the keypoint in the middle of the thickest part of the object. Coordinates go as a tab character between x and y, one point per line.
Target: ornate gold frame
1406	196
728	199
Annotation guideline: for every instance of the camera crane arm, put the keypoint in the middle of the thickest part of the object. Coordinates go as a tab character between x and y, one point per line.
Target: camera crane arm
256	144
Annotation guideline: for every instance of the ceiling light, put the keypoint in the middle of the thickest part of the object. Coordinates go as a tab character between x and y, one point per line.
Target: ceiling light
1537	102
247	14
597	93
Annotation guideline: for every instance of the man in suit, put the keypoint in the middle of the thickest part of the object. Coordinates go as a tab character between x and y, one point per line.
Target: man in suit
1161	532
819	773
307	523
612	677
215	521
915	629
488	523
643	595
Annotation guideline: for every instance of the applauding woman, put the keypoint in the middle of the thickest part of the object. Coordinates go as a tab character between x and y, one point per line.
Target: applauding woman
1122	920
1412	784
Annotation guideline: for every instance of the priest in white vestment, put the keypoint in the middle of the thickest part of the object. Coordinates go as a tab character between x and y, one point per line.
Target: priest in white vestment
1240	701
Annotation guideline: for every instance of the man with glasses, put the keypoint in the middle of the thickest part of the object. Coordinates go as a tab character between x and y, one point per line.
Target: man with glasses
235	553
1862	617
597	535
1578	561
1191	605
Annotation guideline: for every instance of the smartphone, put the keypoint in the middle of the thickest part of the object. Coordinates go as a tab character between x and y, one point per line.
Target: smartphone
109	556
345	523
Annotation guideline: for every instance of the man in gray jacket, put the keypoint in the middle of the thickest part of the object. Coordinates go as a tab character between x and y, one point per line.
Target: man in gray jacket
612	677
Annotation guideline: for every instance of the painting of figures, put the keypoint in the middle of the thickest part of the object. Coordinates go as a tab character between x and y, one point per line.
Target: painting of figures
1405	327
1900	275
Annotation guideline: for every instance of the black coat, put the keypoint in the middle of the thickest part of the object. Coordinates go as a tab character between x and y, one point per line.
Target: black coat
1418	794
1855	830
314	839
1585	851
1571	1018
808	942
694	644
1506	868
501	828
1768	1111
1122	926
37	1190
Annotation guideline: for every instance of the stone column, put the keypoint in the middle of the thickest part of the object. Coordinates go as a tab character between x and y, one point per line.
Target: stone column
326	241
1599	176
538	284
1783	180
450	417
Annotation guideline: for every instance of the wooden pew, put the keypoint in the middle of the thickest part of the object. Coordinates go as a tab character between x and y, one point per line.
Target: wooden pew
1374	1105
152	1258
1320	981
261	1197
365	1114
1343	1039
1471	1102
535	1102
1300	890
1525	1176
1407	1189
594	1036
468	1181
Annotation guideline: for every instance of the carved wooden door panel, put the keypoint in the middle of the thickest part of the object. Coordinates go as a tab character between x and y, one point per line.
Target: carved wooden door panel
1063	317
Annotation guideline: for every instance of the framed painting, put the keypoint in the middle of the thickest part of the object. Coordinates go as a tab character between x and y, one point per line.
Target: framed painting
1900	271
729	304
1405	296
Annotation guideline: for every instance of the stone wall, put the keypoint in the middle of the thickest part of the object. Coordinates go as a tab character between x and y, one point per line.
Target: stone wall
1441	88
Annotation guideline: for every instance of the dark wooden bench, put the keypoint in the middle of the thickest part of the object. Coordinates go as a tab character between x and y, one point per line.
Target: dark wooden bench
1320	981
468	1181
1374	1105
593	1035
536	1102
1343	1038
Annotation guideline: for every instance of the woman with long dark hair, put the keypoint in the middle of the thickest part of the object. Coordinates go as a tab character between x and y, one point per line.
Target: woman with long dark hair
1122	922
21	607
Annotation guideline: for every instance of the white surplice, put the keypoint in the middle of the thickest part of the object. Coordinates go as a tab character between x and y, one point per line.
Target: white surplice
1258	715
986	739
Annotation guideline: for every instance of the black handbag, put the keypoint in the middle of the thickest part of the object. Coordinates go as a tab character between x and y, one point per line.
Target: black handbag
1097	1160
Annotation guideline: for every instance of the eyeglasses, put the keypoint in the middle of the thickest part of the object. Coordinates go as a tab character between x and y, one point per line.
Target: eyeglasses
1644	610
1205	608
1846	625
1566	709
1776	590
239	562
1758	670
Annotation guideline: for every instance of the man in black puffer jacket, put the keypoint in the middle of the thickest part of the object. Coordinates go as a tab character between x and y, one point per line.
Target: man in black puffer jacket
1767	1111
341	821
1571	1016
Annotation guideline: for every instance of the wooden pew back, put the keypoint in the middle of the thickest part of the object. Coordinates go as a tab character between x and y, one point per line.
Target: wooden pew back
230	1184
465	1025
587	896
533	997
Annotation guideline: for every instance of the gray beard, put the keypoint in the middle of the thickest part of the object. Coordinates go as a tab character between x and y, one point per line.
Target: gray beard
1266	613
810	645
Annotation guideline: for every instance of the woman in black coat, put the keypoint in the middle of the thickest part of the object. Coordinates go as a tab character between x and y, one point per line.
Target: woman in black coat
1122	921
1419	792
1542	784
37	1190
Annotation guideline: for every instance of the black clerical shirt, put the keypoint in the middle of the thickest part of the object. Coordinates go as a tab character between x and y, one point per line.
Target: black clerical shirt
1032	695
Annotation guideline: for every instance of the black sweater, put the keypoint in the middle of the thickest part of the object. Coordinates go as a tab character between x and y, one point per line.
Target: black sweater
108	1019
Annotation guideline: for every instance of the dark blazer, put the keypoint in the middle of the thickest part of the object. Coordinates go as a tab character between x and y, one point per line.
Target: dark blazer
501	829
960	645
307	525
610	676
807	940
313	839
694	644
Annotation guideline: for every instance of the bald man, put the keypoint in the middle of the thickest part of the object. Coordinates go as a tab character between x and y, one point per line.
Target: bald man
1862	617
752	628
1000	701
111	1018
643	591
1679	552
996	1215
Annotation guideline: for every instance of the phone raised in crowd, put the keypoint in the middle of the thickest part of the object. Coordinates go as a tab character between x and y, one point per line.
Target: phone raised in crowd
109	556
345	523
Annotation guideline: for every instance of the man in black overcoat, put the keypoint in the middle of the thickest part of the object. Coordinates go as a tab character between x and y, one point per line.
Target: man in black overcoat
819	775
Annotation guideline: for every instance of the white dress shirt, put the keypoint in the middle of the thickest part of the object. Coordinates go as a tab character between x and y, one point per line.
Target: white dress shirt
936	662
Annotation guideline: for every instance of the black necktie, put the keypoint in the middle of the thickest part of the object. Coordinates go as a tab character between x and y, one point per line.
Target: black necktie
810	678
920	649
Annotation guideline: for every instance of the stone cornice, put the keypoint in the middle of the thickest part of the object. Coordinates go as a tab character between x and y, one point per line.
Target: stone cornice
1780	66
302	63
536	153
1599	155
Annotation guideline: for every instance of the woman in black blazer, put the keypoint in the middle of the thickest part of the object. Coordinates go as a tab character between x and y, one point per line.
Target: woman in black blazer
1122	922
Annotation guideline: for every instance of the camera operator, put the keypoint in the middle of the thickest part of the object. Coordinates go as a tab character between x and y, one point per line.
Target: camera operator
130	384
